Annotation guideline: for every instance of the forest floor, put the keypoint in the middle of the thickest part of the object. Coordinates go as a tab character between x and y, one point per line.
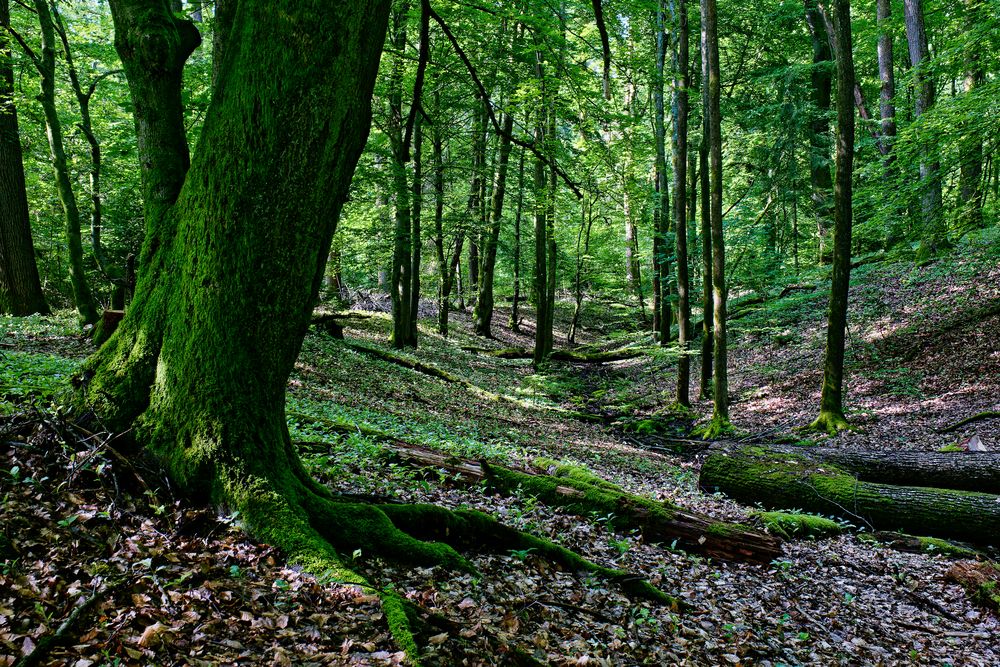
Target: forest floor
176	585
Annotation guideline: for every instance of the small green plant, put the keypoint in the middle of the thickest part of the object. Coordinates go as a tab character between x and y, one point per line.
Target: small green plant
521	554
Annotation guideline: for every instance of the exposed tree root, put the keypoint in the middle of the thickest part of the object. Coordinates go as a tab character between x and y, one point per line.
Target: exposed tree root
312	527
714	429
988	414
581	492
830	423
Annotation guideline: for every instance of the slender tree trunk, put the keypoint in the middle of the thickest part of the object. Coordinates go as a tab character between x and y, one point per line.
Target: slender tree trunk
934	236
971	191
402	253
543	320
582	252
720	389
887	108
680	154
707	337
20	286
84	299
416	207
515	315
819	128
662	216
483	312
115	275
831	416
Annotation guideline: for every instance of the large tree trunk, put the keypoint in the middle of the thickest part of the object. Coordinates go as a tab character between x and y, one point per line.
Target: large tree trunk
713	114
20	287
682	81
831	413
819	129
783	481
45	62
483	311
199	365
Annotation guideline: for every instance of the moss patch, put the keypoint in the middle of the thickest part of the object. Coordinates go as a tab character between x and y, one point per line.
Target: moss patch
794	524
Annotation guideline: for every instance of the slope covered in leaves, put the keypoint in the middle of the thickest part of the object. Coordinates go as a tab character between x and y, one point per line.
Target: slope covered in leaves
180	586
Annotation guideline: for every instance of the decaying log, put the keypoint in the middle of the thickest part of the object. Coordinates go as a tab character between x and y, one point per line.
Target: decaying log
574	356
779	481
581	492
966	471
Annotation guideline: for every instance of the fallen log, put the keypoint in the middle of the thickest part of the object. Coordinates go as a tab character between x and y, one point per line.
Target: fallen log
776	480
966	471
988	414
599	357
580	492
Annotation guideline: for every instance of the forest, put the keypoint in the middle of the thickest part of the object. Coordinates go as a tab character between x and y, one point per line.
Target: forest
499	332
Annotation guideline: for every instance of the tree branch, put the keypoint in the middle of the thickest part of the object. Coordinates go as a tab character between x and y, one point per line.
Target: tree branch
484	95
418	83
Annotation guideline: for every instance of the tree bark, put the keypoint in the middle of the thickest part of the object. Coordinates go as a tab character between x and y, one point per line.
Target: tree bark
965	471
483	311
707	340
971	191
682	82
887	108
934	235
565	486
45	63
782	481
831	415
662	315
515	315
20	286
819	136
402	249
720	388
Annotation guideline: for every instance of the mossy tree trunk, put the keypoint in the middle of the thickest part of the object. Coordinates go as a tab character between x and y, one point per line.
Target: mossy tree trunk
199	365
966	471
20	287
831	413
754	475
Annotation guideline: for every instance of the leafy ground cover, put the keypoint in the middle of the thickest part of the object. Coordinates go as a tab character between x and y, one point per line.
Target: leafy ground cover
175	586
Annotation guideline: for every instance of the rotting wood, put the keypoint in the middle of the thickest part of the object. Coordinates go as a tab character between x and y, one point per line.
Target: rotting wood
779	481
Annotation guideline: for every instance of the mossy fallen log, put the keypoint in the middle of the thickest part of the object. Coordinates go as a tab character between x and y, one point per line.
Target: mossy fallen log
754	475
574	356
966	471
581	492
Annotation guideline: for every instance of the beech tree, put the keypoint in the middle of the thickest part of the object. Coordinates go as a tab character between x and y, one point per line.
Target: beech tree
831	415
20	286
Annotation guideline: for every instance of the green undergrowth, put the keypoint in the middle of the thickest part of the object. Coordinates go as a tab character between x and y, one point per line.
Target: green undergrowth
27	377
